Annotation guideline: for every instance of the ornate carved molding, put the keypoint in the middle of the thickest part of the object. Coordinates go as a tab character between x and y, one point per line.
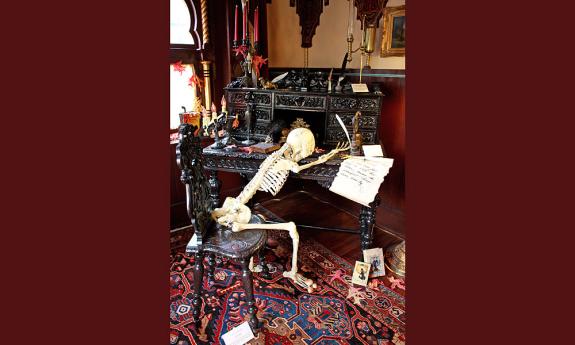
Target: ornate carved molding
354	103
366	121
309	12
371	9
262	99
300	101
335	135
263	114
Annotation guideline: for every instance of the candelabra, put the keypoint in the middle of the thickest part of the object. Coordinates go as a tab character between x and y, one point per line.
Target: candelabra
248	51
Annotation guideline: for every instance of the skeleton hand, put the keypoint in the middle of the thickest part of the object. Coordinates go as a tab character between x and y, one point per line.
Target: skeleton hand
339	148
323	158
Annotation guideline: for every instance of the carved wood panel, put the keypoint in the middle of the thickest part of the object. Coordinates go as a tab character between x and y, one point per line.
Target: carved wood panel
366	120
263	114
359	103
237	97
371	9
309	12
299	101
335	135
263	99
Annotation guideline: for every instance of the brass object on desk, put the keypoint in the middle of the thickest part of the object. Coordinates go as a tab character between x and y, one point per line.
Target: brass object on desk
299	123
207	85
357	138
395	259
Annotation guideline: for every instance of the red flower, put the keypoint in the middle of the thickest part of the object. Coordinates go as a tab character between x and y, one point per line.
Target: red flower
178	67
241	50
258	62
195	81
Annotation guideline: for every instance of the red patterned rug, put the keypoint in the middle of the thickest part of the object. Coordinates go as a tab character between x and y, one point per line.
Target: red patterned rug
336	313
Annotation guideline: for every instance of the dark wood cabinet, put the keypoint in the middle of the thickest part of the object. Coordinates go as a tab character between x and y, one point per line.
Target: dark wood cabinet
317	109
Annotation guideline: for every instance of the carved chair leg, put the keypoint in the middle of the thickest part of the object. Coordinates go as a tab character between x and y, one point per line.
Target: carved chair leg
198	276
250	300
262	261
211	266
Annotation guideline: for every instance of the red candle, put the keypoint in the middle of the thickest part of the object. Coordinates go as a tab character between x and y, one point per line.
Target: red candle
245	22
236	25
256	21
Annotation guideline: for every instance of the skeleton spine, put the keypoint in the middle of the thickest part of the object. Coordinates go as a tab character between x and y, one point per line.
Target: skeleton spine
252	187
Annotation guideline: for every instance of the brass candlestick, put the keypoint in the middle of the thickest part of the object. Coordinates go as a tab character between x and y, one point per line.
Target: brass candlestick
349	47
207	85
369	43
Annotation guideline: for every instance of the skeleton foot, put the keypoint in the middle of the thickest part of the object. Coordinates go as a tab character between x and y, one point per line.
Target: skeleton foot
300	280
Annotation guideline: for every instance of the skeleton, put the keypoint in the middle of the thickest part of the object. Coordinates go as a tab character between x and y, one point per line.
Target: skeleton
271	176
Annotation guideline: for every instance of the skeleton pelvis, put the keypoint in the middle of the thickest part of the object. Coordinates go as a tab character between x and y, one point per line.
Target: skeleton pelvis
232	211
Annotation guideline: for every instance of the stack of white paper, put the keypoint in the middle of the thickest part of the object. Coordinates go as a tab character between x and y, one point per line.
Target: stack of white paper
359	178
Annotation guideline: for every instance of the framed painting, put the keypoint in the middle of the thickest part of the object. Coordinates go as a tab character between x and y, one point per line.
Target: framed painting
393	39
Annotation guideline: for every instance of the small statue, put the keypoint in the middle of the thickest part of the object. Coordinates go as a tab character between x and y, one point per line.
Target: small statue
214	124
318	82
268	85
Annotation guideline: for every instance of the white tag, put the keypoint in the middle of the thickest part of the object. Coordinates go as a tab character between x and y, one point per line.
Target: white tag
372	150
359	87
239	335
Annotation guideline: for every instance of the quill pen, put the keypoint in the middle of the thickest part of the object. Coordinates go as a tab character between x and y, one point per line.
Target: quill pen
343	126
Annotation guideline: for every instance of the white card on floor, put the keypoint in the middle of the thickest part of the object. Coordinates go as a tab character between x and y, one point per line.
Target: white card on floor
372	150
239	335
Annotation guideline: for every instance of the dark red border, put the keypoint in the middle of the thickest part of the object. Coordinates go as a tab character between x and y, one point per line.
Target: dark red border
87	163
486	160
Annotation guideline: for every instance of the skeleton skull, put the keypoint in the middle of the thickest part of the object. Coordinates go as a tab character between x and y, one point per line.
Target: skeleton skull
301	143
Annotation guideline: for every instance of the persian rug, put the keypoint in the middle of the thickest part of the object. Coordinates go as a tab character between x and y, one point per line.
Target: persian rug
337	312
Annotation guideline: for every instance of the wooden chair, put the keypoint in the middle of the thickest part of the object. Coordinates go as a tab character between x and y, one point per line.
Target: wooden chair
209	237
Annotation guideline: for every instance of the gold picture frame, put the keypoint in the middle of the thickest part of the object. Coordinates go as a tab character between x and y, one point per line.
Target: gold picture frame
393	38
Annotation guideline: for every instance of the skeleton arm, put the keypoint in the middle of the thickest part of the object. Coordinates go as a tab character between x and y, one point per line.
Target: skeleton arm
323	158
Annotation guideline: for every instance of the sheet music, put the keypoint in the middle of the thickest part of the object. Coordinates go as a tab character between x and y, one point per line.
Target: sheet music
359	178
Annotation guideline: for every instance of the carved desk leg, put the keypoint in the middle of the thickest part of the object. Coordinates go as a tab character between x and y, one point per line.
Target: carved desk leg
198	276
215	185
367	222
250	300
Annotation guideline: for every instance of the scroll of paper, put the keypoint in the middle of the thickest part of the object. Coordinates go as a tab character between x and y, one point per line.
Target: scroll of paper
359	178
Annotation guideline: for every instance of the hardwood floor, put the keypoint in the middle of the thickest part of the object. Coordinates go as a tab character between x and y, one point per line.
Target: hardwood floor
311	212
312	208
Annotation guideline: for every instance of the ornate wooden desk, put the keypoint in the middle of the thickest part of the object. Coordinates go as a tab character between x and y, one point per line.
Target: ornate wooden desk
247	165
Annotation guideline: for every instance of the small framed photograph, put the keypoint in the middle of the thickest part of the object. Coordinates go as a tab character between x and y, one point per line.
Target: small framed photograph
393	38
360	273
374	257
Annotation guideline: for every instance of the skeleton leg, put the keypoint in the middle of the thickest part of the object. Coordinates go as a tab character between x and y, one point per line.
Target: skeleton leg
292	274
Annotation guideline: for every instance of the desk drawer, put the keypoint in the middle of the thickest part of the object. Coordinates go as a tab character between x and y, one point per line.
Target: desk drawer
367	120
354	103
299	102
335	135
260	98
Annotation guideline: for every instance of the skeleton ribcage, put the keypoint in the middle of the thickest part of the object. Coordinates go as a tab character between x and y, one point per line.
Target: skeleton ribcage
267	178
274	179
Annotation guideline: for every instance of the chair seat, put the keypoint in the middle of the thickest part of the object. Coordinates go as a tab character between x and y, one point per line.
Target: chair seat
222	240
